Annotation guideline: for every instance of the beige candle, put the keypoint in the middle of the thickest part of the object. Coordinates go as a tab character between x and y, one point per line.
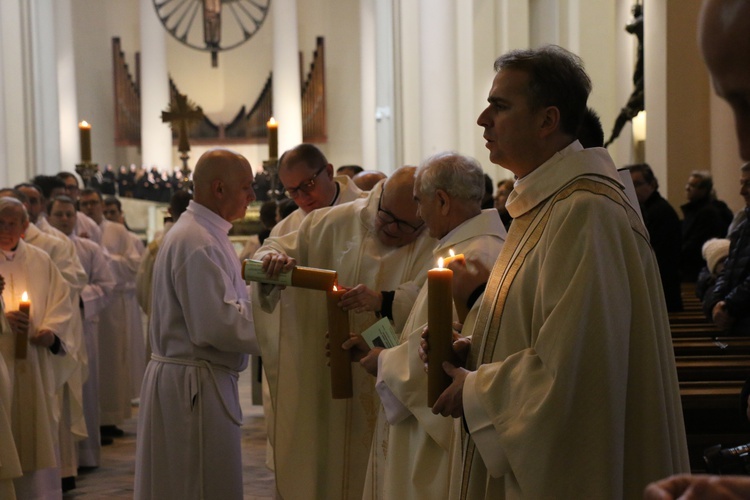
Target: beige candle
338	333
22	339
85	130
273	138
452	257
302	277
440	325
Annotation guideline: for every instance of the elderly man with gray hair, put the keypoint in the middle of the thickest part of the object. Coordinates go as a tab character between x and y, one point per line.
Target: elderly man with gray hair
416	462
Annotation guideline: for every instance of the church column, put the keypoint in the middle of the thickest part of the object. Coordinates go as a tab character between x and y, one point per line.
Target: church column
287	101
67	104
677	97
17	153
156	137
438	68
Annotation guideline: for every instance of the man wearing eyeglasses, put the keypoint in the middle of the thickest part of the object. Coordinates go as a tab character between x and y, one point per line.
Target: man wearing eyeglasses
321	445
412	448
307	178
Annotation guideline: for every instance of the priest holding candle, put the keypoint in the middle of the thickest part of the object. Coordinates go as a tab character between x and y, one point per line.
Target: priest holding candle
36	381
415	460
322	444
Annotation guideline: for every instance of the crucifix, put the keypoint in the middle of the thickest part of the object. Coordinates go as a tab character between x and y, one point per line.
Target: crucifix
183	114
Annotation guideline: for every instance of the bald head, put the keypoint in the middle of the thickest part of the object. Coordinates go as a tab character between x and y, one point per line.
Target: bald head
367	179
223	183
397	222
724	37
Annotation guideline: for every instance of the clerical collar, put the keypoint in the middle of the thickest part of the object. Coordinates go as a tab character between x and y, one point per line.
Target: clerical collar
335	195
9	254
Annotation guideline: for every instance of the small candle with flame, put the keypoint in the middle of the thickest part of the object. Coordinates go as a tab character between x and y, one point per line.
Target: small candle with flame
22	339
84	128
452	257
273	138
440	325
338	333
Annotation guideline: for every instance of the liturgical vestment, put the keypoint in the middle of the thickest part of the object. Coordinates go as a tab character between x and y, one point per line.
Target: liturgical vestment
321	445
575	392
412	448
201	331
273	322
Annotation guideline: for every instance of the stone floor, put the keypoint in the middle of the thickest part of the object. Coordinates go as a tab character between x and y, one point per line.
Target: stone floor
114	479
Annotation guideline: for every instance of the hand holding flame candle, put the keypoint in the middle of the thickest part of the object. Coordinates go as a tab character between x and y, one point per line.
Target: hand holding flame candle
22	339
273	138
338	333
85	131
440	324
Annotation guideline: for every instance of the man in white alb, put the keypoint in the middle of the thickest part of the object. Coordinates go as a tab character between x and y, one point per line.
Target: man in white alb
201	332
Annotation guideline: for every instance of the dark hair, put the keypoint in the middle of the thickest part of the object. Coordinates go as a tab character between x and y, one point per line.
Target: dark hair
556	78
111	200
179	202
67	175
47	183
268	213
89	191
645	170
286	207
590	132
354	168
15	193
303	153
60	199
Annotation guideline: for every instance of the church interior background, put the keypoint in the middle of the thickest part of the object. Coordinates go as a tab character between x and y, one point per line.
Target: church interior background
403	79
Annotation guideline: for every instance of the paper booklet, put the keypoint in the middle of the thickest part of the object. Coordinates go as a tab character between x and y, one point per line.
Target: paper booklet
381	334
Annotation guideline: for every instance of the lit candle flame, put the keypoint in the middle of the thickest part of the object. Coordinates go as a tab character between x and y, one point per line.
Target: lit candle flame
453	254
24	297
440	262
272	122
84	124
335	289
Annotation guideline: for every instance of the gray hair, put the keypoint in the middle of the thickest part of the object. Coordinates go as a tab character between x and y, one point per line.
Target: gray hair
460	176
6	202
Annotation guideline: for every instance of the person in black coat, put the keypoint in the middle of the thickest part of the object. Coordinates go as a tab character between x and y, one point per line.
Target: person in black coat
702	220
664	230
728	303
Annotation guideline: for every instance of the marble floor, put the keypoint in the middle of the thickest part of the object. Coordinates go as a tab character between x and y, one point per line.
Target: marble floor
114	478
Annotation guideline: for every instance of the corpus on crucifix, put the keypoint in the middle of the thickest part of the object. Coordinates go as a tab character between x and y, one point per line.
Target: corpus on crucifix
183	114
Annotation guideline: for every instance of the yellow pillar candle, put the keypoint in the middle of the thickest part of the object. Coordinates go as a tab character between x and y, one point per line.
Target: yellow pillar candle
452	257
338	333
85	130
302	277
273	138
22	339
440	325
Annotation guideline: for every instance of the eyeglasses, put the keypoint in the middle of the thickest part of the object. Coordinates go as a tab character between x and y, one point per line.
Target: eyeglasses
387	217
306	187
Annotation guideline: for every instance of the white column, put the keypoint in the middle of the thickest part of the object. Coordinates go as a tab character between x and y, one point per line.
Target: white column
368	75
287	102
70	147
44	75
439	76
156	137
16	151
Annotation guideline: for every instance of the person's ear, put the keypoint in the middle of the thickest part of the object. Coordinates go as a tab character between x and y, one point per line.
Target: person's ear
444	201
550	120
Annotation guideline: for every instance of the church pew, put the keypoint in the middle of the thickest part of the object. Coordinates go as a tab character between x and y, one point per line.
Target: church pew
713	368
688	318
720	346
693	331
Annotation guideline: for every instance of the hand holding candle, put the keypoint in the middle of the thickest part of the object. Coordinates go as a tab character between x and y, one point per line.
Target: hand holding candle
440	324
85	131
273	138
338	333
22	337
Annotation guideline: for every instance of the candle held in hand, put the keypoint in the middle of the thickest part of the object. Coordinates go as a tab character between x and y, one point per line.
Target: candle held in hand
338	333
84	129
273	138
22	339
440	325
302	277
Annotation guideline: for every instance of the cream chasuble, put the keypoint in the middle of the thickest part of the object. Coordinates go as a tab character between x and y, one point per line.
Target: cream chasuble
321	445
575	393
412	450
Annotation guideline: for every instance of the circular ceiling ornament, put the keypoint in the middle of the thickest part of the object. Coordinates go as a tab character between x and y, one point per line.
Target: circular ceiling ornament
212	25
